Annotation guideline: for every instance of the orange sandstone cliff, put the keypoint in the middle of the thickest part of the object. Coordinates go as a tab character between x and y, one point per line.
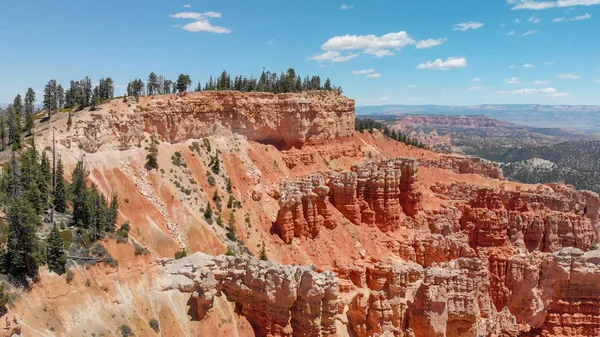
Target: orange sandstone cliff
365	236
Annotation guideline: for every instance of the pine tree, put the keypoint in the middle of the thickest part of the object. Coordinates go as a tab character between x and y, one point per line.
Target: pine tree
50	100
55	253
152	84
216	163
216	197
228	185
113	211
230	201
208	212
15	113
3	132
22	255
60	193
80	196
29	110
183	82
95	98
263	253
69	121
152	156
60	97
98	213
31	179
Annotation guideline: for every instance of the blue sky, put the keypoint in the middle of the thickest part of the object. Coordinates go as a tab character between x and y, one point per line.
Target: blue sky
381	52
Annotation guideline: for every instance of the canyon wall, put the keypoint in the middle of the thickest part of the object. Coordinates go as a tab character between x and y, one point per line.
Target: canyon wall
367	236
285	120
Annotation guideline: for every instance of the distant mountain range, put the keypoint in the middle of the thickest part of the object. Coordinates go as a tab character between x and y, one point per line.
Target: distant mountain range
579	117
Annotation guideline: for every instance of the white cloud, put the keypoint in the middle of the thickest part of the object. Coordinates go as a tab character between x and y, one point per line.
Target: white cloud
363	72
480	88
464	26
378	46
512	66
517	20
477	79
530	32
410	86
333	56
202	23
451	62
528	65
539	82
369	73
196	16
568	76
597	81
187	6
549	92
539	5
533	19
270	42
512	32
370	44
576	18
346	7
512	80
549	63
384	98
429	43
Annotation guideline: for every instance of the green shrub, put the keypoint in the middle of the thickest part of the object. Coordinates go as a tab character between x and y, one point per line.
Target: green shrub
154	322
177	159
211	181
140	250
3	296
126	331
180	254
70	276
123	232
206	144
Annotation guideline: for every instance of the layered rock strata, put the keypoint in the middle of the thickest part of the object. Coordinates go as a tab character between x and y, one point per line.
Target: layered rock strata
375	193
285	120
277	300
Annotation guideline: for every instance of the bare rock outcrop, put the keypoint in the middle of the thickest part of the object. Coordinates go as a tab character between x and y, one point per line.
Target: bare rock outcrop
375	193
466	165
285	120
304	208
277	300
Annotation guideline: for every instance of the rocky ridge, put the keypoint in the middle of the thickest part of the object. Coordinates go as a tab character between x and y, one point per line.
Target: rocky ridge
401	241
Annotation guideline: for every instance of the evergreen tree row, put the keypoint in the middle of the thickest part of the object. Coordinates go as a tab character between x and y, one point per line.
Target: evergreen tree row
362	124
268	82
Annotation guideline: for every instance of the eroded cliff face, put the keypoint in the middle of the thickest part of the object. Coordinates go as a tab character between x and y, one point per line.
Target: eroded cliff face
366	236
286	120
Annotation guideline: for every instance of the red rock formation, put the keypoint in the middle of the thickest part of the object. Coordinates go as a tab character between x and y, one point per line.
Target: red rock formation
575	309
286	120
276	300
304	208
465	165
374	193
